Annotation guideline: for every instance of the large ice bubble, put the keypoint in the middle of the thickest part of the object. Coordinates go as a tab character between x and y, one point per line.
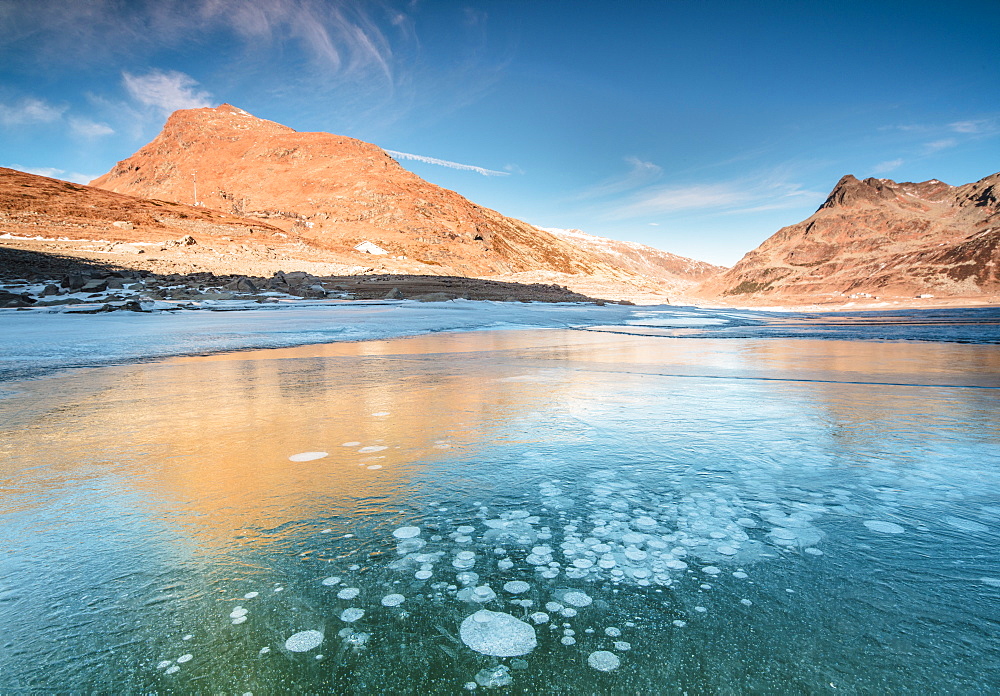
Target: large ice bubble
498	634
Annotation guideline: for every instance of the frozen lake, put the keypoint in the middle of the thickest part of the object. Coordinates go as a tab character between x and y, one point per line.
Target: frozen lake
652	501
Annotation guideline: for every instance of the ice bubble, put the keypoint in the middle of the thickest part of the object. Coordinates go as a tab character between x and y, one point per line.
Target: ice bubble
303	641
634	554
740	574
350	444
813	551
250	595
406	532
711	570
884	527
644	522
553	606
164	664
331	581
568	612
603	660
494	677
622	645
567	640
264	651
380	414
577	599
238	620
393	600
633	538
746	602
187	637
701	610
172	669
680	624
516	587
465	556
612	632
462	539
423	574
497	634
965	525
505	564
184	658
676	565
540	617
992	582
351	615
307	456
483	593
467	577
726	550
237	613
349	593
372	448
356	640
583	563
374	466
465	529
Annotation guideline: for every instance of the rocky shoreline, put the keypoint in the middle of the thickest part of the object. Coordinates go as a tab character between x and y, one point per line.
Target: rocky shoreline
30	280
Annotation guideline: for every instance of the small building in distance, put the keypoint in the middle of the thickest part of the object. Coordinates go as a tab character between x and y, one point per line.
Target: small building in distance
370	248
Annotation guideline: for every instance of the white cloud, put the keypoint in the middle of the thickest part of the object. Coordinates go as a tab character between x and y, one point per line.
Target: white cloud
765	192
29	110
974	126
56	173
640	173
89	129
939	145
50	172
446	163
167	90
887	166
342	37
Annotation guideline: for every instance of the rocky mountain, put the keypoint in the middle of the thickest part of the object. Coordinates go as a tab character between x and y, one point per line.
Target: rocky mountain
677	274
880	238
335	193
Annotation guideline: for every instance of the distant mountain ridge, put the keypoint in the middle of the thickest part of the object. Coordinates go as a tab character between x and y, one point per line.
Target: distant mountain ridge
878	237
678	274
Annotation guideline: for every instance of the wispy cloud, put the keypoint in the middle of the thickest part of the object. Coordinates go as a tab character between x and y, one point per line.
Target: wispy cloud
167	90
887	166
640	173
55	173
89	129
766	192
938	145
29	110
446	163
343	37
977	126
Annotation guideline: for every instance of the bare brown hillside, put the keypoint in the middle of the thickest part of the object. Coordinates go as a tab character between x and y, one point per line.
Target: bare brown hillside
335	192
877	237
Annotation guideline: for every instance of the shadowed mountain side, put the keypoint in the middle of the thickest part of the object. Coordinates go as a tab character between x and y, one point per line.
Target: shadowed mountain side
881	238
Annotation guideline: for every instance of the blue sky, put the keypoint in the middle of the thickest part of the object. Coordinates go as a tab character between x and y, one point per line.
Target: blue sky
700	128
